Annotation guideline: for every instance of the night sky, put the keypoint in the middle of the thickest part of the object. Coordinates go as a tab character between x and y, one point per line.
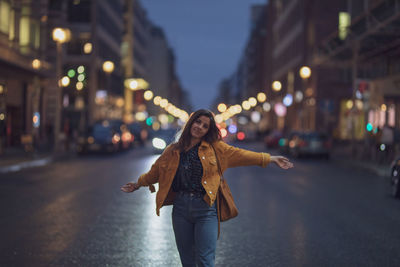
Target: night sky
207	37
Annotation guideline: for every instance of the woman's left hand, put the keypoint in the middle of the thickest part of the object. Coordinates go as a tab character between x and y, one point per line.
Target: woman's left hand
130	187
282	162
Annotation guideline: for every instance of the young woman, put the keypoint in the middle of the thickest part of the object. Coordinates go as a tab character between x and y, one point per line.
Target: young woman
188	177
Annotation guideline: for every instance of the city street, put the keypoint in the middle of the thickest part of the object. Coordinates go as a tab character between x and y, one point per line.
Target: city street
320	213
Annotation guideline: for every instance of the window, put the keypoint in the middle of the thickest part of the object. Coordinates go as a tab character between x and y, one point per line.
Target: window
12	25
35	34
24	31
29	31
5	10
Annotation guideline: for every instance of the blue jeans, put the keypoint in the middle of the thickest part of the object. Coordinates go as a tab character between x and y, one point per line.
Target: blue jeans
195	226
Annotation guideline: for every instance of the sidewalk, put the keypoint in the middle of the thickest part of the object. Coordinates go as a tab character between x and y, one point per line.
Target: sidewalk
343	155
16	159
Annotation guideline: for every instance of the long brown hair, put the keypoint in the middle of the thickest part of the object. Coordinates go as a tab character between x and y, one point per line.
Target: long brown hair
213	134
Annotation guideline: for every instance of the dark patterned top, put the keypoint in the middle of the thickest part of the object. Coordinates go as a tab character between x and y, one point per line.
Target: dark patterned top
189	173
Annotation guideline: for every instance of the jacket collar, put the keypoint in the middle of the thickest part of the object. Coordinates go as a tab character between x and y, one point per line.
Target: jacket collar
203	145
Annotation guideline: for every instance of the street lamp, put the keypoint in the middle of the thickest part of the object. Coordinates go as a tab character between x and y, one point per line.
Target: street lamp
222	107
148	95
87	48
309	119
305	72
108	66
60	36
133	85
64	81
252	101
36	64
246	105
136	84
261	97
163	103
276	86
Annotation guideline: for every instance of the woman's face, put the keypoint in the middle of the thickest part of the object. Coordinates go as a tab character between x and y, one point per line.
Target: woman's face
200	127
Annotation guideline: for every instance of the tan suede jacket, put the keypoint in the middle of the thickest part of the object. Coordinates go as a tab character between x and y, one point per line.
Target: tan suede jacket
164	169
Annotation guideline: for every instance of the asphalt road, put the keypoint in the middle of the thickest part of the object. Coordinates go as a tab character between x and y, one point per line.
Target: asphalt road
320	213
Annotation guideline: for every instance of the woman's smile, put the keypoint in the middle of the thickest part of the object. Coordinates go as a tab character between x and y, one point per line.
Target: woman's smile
200	127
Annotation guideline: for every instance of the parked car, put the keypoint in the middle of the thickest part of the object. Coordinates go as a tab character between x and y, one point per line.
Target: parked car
140	134
272	139
101	137
395	178
310	144
122	129
284	142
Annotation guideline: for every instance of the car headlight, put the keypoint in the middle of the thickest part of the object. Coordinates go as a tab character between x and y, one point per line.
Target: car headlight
115	139
159	143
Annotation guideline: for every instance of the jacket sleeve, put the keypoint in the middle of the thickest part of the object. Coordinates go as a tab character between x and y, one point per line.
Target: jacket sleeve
236	157
151	177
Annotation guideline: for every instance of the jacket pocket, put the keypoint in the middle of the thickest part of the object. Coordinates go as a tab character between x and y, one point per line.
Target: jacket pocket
212	161
213	165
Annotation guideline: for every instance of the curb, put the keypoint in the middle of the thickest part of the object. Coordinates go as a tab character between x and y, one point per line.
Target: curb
26	164
35	162
380	170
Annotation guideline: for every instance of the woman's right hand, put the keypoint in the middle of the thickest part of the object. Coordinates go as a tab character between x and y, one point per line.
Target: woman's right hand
130	187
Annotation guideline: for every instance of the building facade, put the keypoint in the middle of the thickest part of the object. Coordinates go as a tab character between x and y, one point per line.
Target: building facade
147	55
25	75
50	90
297	28
94	92
367	50
285	37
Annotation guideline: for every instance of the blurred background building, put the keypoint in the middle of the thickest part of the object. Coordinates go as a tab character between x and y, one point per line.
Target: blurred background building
65	64
25	73
326	66
365	47
91	62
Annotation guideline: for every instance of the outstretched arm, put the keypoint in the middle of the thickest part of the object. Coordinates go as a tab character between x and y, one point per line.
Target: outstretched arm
282	162
236	157
147	179
242	157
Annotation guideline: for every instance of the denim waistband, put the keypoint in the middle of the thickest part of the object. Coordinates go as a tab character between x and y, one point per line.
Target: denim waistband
190	193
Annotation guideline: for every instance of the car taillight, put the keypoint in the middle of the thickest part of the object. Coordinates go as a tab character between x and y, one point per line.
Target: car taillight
240	136
127	137
303	143
292	144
